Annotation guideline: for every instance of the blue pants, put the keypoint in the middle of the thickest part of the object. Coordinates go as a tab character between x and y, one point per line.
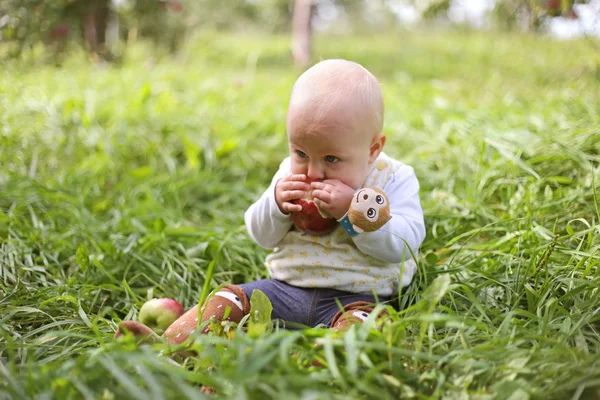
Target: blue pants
305	306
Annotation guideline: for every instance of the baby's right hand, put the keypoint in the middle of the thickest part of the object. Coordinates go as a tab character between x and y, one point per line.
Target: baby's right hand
290	188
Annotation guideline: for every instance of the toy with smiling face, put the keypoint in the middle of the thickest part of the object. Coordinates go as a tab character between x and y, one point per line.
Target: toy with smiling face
369	210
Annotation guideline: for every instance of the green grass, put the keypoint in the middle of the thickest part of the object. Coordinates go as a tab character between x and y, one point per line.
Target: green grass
121	183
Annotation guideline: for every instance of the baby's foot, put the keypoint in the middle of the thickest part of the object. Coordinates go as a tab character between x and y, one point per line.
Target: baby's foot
138	330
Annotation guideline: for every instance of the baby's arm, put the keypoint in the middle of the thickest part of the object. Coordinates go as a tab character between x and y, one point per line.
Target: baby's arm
265	222
407	222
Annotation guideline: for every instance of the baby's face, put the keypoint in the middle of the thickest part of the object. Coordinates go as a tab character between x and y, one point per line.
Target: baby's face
331	150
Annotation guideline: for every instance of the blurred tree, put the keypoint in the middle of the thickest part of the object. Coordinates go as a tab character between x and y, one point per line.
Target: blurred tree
263	15
161	21
353	14
94	16
301	32
24	23
529	15
431	9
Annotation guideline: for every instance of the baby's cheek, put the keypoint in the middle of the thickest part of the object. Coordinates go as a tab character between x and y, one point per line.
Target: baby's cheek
355	181
298	168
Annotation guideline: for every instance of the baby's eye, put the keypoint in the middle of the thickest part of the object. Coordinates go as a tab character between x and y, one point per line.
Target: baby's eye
301	154
331	159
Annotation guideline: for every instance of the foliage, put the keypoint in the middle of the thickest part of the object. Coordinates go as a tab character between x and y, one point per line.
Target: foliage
169	23
528	14
25	23
122	183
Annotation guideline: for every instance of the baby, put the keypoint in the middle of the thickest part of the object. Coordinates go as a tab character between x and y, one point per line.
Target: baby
334	127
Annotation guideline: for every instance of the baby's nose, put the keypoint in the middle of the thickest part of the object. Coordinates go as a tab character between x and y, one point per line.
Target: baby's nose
315	173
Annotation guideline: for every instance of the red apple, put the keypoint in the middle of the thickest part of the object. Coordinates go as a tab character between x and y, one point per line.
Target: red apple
310	220
159	314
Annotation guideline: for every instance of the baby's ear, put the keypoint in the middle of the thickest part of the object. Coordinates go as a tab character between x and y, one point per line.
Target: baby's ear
376	147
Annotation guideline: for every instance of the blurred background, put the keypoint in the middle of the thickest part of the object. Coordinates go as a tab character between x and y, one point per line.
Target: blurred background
105	27
145	114
135	133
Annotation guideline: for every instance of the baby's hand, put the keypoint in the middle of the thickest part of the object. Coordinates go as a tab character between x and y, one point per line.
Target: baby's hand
290	188
333	197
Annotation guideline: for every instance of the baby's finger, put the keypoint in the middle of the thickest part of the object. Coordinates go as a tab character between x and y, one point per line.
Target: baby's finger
290	207
293	195
332	182
321	204
295	185
318	185
322	195
296	177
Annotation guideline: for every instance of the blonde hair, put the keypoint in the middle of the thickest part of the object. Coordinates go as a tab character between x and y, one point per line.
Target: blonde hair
334	85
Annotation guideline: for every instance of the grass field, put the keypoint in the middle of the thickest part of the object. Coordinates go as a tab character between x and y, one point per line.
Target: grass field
119	183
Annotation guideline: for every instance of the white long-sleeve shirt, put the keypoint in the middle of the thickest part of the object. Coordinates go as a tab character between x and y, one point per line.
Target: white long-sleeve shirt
371	261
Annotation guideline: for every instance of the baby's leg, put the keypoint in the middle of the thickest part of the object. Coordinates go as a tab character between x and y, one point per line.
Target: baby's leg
289	303
356	308
295	306
230	297
353	313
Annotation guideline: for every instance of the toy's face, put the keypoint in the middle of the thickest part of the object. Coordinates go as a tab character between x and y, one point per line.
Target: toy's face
369	202
360	315
369	210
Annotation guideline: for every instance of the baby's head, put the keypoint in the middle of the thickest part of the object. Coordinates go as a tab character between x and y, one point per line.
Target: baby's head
334	122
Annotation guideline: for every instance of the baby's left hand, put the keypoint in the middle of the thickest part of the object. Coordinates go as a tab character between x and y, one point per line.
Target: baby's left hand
332	196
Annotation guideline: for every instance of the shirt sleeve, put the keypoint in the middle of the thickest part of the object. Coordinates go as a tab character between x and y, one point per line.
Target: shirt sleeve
406	228
265	222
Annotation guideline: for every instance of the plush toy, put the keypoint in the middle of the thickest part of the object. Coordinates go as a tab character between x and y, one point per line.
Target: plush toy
369	210
353	313
230	299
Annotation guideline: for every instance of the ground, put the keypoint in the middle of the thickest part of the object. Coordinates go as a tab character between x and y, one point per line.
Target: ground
123	182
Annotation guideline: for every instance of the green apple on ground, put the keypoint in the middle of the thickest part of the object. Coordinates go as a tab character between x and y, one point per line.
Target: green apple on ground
159	314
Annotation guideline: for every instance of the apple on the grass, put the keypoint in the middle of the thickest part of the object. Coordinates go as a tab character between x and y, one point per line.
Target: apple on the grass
159	314
310	219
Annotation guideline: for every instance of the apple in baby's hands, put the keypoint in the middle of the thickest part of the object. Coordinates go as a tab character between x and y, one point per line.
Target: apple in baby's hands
310	219
159	314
